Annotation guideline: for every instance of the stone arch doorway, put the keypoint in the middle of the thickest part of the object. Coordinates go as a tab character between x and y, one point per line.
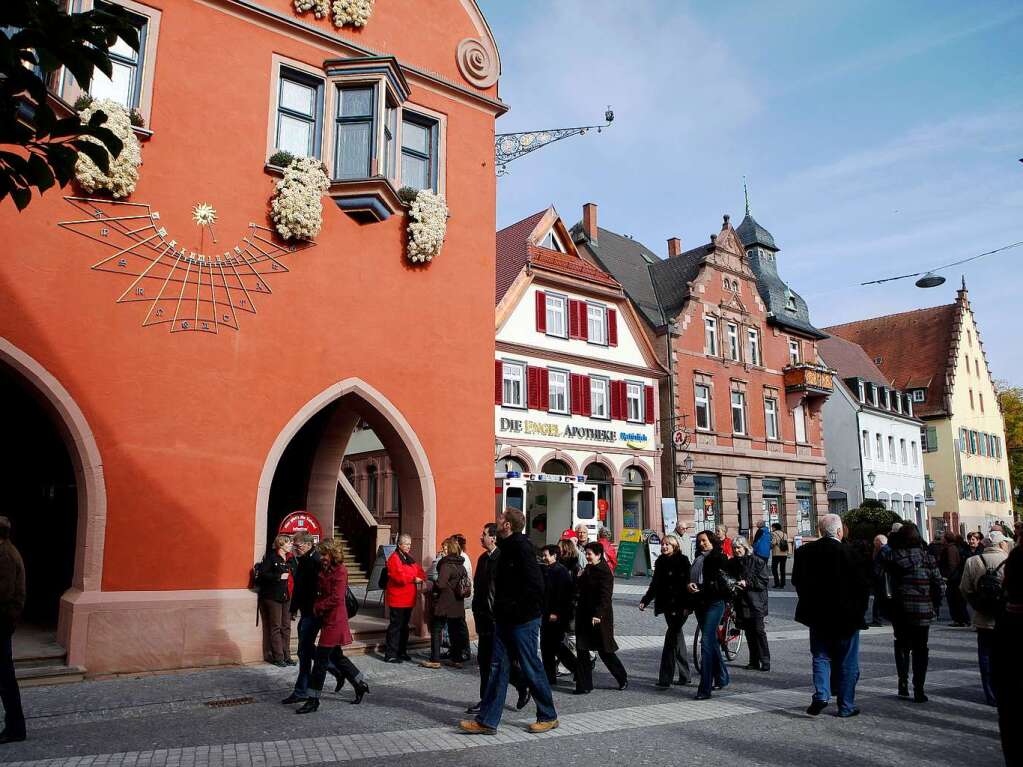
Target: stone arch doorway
56	496
602	476
303	467
635	511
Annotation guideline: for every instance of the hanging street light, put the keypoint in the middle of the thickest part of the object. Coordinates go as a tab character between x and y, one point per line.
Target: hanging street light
930	280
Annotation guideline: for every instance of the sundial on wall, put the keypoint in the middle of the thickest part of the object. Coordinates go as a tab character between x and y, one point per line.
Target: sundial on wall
186	290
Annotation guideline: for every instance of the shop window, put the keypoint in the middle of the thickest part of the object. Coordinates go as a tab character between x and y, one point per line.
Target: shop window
771	417
703	419
299	107
634	400
773	500
557	388
738	412
514	384
596	324
706	501
419	137
599	398
806	507
633	491
742	488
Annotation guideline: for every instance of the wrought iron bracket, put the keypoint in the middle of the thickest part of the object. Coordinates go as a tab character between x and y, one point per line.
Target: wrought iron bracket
512	146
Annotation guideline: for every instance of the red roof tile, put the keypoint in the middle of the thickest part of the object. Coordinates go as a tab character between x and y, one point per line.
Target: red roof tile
911	349
512	253
849	359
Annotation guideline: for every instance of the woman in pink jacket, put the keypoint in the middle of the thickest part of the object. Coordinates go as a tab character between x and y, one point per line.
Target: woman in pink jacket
330	608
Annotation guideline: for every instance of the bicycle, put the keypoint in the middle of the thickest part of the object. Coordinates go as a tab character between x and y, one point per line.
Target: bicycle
729	637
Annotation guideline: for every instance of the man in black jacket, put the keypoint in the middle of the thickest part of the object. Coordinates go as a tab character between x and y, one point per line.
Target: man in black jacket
518	604
12	603
483	616
833	584
557	611
306	575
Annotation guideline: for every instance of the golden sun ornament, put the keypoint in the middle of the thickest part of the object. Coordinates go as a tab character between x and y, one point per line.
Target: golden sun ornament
204	214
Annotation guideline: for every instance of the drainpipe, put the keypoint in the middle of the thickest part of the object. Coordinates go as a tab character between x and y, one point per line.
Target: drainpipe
671	404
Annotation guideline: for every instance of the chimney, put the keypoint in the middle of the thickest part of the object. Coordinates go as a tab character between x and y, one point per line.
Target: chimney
590	221
674	247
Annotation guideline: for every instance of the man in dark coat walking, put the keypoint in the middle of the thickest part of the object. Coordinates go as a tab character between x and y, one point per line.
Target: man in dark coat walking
559	594
518	605
12	602
594	621
833	584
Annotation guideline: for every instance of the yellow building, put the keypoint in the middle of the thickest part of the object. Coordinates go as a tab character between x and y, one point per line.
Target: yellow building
936	355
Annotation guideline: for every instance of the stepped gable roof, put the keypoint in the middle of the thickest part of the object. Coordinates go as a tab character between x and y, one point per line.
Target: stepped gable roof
752	233
671	277
517	246
513	252
913	349
628	261
850	360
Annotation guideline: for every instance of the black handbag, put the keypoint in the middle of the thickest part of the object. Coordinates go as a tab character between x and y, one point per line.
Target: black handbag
351	603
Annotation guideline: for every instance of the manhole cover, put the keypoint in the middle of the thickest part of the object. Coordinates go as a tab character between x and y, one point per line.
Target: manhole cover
228	702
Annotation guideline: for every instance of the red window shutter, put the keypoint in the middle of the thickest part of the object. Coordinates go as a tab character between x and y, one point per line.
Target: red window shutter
612	327
533	388
573	318
541	312
648	405
616	400
576	393
545	391
498	382
584	325
584	385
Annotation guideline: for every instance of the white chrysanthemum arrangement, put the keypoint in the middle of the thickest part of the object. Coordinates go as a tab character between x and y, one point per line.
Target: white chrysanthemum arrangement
296	210
429	224
344	13
123	172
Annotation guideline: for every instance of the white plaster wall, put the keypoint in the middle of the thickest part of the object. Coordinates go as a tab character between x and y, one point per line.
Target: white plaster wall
892	477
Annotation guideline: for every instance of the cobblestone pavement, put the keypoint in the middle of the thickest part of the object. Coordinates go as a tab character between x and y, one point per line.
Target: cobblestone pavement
410	713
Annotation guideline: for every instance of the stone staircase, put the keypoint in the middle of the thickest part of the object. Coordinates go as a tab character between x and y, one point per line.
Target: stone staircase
357	575
38	659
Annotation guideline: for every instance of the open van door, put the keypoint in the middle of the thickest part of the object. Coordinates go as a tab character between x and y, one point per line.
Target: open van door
510	492
584	508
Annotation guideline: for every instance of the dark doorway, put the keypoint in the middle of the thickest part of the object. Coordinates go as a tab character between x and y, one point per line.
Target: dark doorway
290	486
41	497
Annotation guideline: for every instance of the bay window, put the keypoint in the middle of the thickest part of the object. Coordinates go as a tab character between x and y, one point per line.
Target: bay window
738	412
557	387
703	406
353	141
599	397
634	400
418	152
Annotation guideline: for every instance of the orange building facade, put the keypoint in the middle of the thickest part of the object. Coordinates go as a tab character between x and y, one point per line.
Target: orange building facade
189	433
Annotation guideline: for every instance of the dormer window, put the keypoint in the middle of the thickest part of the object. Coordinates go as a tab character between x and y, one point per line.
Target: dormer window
790	301
887	399
552	242
918	395
861	391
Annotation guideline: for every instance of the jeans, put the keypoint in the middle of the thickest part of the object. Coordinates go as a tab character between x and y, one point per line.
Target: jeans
324	657
756	638
712	665
396	644
584	671
673	654
10	695
836	661
518	642
277	617
554	649
458	633
778	565
985	645
308	628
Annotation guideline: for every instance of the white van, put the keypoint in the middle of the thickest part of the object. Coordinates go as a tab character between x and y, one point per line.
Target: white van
552	503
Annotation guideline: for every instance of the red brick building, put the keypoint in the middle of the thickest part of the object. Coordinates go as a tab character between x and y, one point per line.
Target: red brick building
744	380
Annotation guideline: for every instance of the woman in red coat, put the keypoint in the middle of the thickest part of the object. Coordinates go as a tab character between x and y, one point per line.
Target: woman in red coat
330	608
404	577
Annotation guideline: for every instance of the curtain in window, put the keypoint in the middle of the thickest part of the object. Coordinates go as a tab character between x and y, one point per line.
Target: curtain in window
353	149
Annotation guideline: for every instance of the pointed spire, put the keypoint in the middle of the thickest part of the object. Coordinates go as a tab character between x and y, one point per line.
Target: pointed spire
964	282
745	191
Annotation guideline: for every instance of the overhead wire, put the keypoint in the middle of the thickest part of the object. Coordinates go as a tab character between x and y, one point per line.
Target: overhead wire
946	266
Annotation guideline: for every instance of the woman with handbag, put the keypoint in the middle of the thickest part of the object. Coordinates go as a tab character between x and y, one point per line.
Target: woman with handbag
915	582
750	573
448	606
331	608
709	588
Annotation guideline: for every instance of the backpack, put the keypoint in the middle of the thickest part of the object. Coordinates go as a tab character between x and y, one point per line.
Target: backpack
463	589
256	575
989	596
783	545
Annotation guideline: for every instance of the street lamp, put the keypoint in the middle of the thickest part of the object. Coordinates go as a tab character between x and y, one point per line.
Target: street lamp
871	478
685	471
930	487
832	478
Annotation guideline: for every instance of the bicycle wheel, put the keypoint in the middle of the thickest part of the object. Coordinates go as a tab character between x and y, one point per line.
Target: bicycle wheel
697	665
732	639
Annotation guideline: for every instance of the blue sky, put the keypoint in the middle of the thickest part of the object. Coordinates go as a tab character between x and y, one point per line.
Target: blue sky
878	138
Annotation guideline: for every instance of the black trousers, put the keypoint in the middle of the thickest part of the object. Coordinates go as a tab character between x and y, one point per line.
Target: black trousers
324	658
778	565
673	654
583	670
1008	684
458	635
956	603
554	649
485	654
10	695
911	651
756	638
396	644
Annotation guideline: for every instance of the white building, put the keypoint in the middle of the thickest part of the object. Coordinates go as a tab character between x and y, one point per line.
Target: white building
871	437
576	380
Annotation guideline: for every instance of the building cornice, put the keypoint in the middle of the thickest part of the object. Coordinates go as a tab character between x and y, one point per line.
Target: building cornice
524	350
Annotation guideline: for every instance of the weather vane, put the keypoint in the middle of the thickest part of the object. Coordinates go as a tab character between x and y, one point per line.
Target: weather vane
512	146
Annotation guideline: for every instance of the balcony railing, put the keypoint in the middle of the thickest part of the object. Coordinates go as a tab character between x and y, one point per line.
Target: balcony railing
811	380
